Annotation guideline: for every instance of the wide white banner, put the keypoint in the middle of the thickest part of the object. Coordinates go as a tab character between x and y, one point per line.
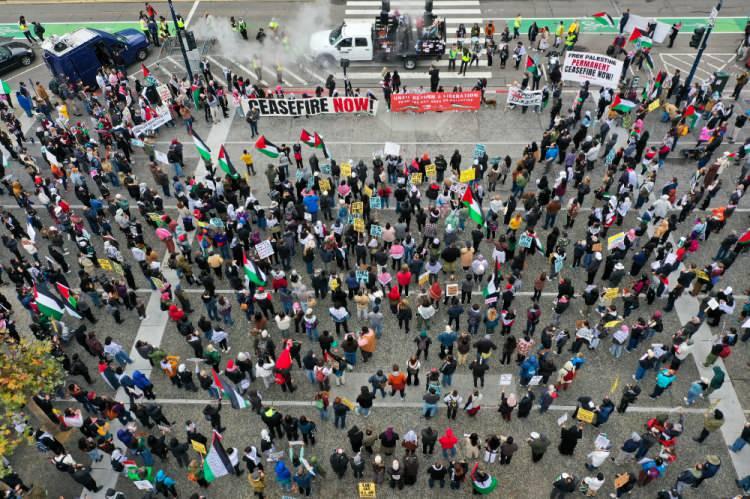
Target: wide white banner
518	97
597	69
660	33
311	106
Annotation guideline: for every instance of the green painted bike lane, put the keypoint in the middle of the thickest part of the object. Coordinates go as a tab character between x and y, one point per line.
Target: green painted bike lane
588	25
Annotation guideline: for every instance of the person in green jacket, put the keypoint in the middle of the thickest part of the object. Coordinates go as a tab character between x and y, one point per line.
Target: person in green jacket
712	421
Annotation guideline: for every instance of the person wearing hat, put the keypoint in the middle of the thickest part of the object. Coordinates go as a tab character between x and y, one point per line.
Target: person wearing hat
563	485
712	421
709	469
538	443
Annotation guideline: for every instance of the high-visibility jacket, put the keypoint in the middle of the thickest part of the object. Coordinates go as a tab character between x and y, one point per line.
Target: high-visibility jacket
573	28
164	29
452	54
560	30
517	22
24	27
466	56
180	23
570	40
144	25
242	26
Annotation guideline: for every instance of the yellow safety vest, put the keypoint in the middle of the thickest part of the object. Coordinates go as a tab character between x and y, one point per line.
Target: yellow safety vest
273	25
144	25
180	23
24	27
452	54
466	57
517	22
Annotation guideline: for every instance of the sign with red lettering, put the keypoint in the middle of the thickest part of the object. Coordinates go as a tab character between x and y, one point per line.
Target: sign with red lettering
311	106
436	101
597	69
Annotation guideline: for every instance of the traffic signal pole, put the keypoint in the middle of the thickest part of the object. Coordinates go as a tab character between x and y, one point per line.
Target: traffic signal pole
182	43
701	47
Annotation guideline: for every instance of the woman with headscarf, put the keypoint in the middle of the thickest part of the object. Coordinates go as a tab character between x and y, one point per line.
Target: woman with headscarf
409	442
507	404
395	475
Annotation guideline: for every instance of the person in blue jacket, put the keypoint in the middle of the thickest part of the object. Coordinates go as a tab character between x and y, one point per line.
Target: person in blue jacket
303	481
529	368
283	476
165	484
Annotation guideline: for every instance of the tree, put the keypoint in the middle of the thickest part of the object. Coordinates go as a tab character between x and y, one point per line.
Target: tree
26	369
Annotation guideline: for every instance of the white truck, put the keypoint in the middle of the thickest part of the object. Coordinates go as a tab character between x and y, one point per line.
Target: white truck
390	37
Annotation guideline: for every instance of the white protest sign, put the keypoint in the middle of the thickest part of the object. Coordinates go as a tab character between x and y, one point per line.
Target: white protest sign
506	379
518	97
264	249
597	69
161	157
391	149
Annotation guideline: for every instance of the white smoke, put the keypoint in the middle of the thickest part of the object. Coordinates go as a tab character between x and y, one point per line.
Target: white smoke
230	44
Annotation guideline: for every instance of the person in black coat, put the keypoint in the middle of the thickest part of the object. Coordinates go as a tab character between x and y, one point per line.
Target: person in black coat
569	438
356	437
339	462
180	452
525	404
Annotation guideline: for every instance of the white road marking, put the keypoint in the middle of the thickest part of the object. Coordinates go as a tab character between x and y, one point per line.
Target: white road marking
192	11
437	12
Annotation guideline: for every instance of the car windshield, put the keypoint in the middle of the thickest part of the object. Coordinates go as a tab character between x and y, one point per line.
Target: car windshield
121	38
335	35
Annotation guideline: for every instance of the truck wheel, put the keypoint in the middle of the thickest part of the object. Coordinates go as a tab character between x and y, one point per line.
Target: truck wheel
325	61
141	55
26	60
410	63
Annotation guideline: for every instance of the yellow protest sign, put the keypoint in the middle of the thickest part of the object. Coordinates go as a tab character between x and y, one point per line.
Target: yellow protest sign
430	170
424	278
611	293
346	170
467	175
699	274
324	184
367	191
157	282
359	225
585	416
198	447
654	105
416	178
104	264
611	323
358	207
614	386
366	489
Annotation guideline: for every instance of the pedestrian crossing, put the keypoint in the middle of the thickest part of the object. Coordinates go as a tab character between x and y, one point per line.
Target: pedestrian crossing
709	64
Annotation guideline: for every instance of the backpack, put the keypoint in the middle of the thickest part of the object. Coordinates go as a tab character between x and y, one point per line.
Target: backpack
62	466
117	465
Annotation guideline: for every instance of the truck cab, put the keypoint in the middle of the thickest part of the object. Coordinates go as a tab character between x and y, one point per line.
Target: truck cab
80	54
348	41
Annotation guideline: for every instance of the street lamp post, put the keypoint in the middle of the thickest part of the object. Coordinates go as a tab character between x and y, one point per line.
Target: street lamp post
182	43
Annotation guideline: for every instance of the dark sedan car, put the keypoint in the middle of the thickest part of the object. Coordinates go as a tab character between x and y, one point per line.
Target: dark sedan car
14	55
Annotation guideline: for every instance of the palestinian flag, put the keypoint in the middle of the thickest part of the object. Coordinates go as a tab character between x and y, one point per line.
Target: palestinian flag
67	295
744	239
321	145
229	390
266	147
640	39
622	105
253	273
47	305
658	82
216	463
689	111
604	19
307	138
203	150
475	211
5	88
146	72
226	164
482	484
531	65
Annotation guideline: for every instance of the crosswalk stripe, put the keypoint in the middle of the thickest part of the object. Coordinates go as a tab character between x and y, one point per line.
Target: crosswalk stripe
437	12
413	3
467	21
416	76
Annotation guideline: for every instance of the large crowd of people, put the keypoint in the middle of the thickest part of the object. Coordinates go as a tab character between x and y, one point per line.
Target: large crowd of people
398	239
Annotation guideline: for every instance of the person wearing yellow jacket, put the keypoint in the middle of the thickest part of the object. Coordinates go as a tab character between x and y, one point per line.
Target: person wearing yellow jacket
24	27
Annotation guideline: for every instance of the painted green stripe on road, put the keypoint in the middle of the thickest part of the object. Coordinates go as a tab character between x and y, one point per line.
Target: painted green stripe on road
588	25
10	30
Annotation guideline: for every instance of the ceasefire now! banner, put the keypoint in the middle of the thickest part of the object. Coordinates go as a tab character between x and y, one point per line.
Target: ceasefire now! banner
311	106
597	69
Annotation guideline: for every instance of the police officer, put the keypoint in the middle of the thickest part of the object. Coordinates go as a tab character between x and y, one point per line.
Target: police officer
143	21
242	28
452	54
180	22
24	27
